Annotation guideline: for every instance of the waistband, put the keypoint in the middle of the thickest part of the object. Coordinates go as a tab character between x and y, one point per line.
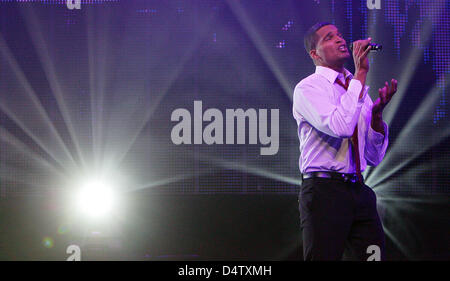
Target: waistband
353	177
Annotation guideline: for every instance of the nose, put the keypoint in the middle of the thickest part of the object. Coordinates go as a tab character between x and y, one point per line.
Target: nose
340	40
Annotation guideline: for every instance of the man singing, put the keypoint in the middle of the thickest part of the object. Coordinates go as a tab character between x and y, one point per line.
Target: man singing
341	131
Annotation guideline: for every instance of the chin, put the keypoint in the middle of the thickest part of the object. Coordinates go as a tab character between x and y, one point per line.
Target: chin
346	55
343	58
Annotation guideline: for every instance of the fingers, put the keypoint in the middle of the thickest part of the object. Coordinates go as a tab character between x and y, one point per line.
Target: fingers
366	43
356	47
360	52
363	42
383	92
366	51
360	47
392	89
385	95
393	86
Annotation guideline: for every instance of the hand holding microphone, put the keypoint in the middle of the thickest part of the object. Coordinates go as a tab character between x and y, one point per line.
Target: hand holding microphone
360	50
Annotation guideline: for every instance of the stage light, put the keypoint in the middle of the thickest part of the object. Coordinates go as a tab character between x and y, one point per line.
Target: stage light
47	242
96	198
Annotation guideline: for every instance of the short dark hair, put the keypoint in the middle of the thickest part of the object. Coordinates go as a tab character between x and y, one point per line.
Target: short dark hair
310	38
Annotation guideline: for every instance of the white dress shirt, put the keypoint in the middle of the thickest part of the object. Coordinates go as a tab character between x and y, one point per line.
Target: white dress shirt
326	116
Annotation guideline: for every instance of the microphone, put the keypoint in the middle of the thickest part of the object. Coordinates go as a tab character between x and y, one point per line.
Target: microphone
373	47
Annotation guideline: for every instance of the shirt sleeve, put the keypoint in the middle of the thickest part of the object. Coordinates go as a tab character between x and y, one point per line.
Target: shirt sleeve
376	145
313	100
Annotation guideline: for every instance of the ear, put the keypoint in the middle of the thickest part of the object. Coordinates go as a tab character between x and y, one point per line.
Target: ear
313	55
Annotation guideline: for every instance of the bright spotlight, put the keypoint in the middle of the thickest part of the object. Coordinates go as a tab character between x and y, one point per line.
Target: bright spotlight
95	198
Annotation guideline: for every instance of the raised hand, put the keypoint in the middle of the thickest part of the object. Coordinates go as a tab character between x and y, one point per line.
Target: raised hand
386	93
360	57
360	50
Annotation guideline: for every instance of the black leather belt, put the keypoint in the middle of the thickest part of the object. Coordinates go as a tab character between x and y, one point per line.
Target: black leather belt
331	175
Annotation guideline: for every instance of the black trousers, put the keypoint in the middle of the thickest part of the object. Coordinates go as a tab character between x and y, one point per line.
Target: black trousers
338	217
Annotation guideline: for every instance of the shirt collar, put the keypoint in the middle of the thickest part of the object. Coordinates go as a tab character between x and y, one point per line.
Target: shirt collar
331	74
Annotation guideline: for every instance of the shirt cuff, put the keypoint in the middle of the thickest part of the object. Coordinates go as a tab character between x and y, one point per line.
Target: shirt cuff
377	138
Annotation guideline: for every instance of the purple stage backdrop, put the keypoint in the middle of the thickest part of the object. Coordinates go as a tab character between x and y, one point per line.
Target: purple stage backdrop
193	99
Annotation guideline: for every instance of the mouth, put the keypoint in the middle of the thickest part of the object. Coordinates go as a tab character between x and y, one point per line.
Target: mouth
343	48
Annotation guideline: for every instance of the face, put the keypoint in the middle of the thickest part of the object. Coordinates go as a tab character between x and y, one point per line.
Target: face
331	48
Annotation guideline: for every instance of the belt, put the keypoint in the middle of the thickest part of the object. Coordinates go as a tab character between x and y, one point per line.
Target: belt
332	175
